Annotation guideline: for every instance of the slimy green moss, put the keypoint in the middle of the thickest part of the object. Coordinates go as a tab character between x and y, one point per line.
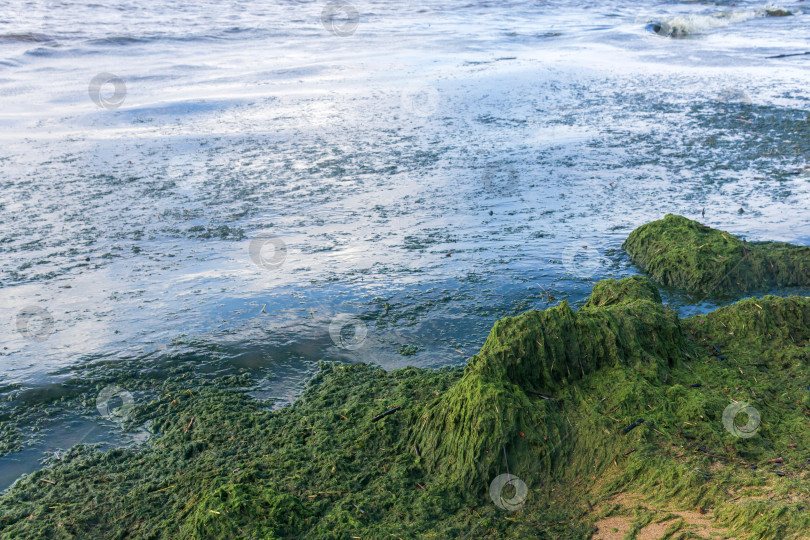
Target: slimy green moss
681	253
496	414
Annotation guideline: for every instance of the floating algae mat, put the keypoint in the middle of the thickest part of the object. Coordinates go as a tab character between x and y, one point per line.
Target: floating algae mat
581	411
682	253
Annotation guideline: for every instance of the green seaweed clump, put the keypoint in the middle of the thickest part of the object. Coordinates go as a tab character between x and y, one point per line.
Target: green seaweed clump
496	415
245	506
10	440
681	253
593	410
610	291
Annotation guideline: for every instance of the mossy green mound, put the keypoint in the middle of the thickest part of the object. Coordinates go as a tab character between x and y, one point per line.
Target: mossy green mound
610	291
681	253
496	416
621	396
755	352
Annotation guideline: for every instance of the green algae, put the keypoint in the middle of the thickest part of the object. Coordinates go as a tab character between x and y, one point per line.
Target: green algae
10	439
610	291
681	253
764	357
236	458
249	510
554	397
491	417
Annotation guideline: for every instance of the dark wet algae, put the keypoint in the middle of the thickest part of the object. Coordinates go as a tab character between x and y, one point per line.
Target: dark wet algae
619	396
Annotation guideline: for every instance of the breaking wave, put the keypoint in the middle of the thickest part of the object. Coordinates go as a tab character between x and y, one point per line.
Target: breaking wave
686	25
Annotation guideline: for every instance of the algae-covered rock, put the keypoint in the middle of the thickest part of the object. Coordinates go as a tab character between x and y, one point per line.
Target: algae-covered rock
620	397
497	415
684	254
610	291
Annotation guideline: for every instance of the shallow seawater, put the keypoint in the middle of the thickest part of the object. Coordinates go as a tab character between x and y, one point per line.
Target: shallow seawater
257	193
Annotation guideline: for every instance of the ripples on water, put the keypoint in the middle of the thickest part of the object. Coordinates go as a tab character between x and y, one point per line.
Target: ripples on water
441	167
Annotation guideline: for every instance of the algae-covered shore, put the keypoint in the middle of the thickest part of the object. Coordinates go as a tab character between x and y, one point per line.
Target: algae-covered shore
685	254
619	412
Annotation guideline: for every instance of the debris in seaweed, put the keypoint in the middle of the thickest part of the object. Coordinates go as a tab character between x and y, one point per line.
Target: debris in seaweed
386	413
633	426
541	395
